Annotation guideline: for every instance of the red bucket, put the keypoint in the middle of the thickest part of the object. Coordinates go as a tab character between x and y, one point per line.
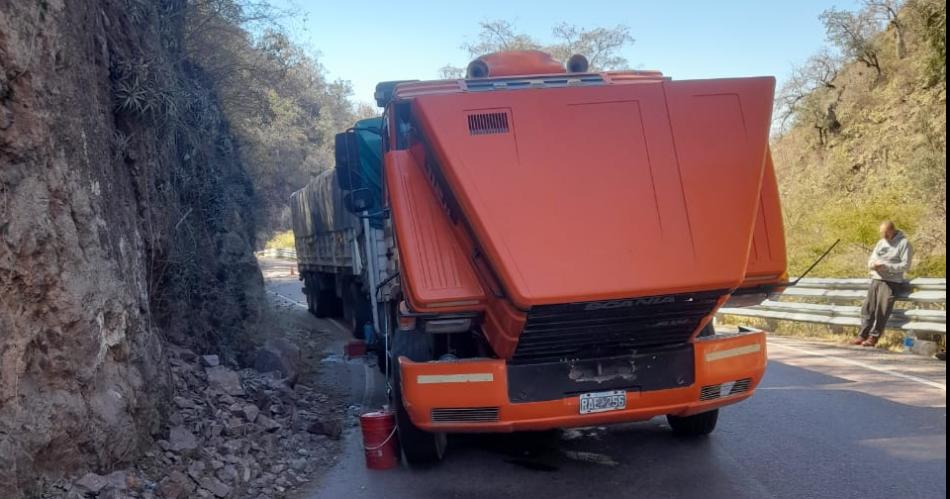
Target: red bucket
380	443
354	348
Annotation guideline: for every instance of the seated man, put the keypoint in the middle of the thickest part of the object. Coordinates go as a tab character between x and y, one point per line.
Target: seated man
887	264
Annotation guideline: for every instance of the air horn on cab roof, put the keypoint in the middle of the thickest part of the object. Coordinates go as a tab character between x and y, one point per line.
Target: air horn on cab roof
523	62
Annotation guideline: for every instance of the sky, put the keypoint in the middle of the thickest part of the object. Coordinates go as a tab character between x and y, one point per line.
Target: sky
369	41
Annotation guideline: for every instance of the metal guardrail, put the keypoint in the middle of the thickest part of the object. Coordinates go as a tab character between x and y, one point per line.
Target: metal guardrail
831	293
288	254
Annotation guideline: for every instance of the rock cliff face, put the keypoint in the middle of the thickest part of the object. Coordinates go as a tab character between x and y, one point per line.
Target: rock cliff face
125	223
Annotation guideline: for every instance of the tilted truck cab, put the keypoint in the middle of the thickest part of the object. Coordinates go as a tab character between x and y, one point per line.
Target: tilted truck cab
562	241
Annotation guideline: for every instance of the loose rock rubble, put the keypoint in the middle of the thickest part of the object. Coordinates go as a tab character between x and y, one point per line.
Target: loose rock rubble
230	434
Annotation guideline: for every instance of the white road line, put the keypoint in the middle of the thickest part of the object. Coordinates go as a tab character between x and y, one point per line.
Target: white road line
291	300
916	379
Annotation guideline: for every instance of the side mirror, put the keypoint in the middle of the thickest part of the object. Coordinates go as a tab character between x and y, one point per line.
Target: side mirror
358	200
349	174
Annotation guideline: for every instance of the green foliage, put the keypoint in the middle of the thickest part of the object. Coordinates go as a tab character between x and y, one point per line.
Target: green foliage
930	17
275	96
859	222
281	240
855	222
931	265
142	86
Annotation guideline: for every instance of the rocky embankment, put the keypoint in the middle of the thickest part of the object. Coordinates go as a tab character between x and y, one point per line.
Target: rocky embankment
126	225
233	433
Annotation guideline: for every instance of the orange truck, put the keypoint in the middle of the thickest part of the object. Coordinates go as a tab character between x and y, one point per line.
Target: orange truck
558	241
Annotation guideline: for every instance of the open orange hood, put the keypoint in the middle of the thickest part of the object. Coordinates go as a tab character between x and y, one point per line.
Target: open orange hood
608	191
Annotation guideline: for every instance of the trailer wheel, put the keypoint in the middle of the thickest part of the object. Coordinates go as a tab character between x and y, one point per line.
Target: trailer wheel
310	307
418	446
325	304
323	295
697	425
311	284
356	309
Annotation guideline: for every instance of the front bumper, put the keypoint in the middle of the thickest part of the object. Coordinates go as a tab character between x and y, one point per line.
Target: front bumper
471	395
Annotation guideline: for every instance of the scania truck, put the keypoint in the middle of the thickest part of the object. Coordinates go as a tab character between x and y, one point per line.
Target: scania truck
549	244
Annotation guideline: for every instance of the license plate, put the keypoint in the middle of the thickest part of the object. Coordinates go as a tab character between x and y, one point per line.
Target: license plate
614	400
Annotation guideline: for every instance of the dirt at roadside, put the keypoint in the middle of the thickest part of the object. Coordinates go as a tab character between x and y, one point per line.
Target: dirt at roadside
236	433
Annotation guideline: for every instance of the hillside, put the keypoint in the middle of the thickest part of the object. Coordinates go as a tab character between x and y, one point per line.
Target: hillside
126	226
861	146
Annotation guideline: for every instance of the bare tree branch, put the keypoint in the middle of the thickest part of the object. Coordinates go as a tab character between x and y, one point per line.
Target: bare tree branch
853	33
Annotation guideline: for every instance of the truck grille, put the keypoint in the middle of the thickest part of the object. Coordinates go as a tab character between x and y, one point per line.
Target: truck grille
610	328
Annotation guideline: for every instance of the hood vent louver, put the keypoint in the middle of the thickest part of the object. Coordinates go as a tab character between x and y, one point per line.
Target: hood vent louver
488	123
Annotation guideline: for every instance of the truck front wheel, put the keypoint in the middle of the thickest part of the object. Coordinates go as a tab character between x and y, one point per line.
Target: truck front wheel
697	425
420	447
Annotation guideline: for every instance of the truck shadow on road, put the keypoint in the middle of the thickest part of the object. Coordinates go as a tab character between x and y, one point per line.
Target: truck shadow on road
550	451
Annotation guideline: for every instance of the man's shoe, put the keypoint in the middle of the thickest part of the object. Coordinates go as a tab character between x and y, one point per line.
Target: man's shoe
859	340
870	342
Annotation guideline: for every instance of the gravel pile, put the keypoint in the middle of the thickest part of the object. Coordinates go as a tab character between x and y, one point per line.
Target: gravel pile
231	433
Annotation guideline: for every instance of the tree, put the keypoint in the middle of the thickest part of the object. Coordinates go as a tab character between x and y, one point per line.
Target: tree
929	20
601	46
819	73
853	33
275	96
450	72
889	11
499	35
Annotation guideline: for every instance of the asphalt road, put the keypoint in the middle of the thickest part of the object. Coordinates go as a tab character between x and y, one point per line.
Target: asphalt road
827	421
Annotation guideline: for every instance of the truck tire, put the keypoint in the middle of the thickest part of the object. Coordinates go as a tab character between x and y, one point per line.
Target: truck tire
309	296
356	309
697	425
382	355
419	447
325	304
310	290
323	297
347	304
